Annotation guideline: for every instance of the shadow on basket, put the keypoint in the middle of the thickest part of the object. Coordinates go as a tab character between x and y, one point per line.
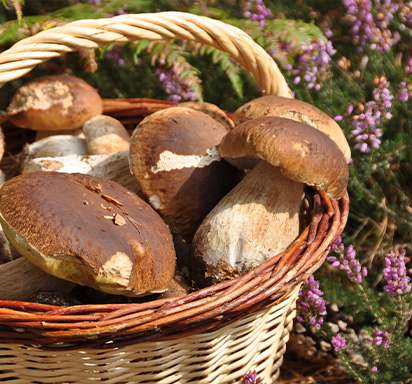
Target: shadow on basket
147	241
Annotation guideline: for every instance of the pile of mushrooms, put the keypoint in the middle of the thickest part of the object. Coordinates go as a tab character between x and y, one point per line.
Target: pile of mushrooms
190	199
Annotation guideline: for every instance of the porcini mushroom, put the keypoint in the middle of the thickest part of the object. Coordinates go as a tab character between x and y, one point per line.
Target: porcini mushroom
113	166
105	134
88	230
174	158
260	216
54	146
54	103
210	109
273	105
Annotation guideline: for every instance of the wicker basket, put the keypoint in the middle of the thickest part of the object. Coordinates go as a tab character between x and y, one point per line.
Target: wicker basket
215	335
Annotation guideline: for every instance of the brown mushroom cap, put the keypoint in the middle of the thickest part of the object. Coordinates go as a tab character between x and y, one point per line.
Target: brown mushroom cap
54	103
88	230
272	105
210	109
303	153
174	158
105	134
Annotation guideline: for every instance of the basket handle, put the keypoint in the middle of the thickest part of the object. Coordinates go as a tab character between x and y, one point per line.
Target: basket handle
23	56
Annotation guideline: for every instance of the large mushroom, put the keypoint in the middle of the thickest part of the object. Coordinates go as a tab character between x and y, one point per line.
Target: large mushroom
54	103
210	109
273	105
173	156
260	216
88	230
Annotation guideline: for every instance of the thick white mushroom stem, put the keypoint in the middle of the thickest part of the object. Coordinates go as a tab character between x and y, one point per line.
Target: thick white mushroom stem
256	220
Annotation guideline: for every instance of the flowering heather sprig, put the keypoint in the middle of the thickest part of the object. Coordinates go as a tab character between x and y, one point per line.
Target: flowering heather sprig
395	274
256	10
408	68
121	11
311	304
405	13
381	338
251	378
176	87
403	92
338	342
368	31
312	64
372	115
114	54
346	261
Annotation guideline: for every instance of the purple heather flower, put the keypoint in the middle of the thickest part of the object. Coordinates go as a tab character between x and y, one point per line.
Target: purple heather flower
366	31
381	338
373	114
176	87
311	304
395	274
251	378
256	10
408	68
403	92
346	261
114	54
312	63
374	369
338	342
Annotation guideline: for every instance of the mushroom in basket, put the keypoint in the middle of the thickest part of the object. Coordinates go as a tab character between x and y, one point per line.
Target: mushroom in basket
259	217
294	109
88	230
174	158
210	109
54	103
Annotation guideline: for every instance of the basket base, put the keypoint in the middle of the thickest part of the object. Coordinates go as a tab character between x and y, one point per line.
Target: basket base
256	342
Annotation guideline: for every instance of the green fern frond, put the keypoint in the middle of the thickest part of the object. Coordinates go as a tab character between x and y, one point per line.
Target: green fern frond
229	67
17	5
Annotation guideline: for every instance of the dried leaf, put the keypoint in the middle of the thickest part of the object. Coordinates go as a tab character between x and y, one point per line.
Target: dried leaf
97	188
104	207
119	220
112	200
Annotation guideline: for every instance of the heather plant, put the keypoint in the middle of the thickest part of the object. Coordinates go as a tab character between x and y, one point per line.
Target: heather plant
380	314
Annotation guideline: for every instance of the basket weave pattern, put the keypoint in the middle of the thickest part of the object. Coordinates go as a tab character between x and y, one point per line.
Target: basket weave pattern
215	335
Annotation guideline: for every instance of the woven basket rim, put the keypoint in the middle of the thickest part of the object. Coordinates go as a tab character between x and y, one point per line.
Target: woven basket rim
208	308
200	311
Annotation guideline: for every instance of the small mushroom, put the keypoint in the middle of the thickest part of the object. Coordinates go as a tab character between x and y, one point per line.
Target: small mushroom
54	103
114	166
210	109
260	216
54	146
88	230
272	105
174	158
105	134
